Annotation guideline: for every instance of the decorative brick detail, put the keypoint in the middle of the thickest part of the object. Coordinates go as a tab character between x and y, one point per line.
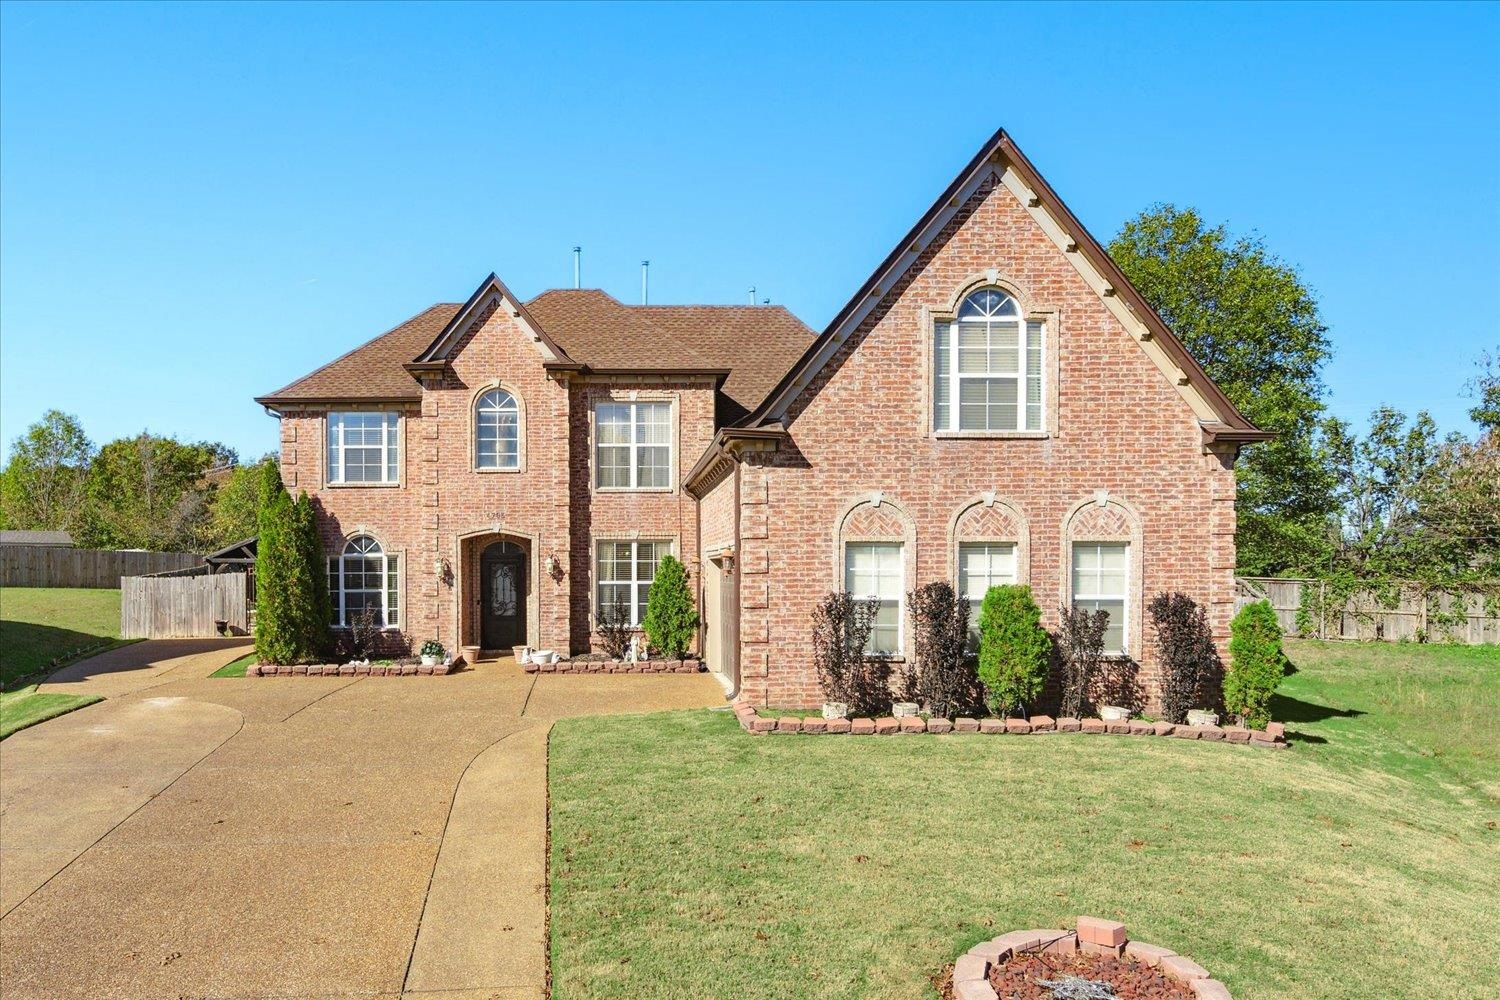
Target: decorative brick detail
616	667
1094	936
338	670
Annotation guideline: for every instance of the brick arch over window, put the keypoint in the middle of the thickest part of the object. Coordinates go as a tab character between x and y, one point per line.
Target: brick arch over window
991	519
875	517
1107	518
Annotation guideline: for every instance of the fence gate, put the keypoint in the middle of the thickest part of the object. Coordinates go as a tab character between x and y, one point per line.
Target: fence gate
181	606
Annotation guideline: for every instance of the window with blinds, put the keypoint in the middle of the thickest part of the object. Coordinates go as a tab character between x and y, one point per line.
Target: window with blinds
987	367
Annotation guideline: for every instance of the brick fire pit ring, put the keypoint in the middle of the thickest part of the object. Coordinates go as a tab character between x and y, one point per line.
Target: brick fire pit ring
971	973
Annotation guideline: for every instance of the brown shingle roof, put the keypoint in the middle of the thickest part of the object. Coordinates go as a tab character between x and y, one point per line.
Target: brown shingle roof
374	370
754	344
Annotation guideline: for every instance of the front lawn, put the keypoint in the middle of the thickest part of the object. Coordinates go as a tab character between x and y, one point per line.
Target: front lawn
690	859
235	668
41	629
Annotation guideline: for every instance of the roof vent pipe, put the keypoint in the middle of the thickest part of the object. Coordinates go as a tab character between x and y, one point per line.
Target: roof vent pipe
752	295
578	267
645	269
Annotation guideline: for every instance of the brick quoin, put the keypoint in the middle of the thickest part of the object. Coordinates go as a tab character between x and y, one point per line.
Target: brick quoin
1122	456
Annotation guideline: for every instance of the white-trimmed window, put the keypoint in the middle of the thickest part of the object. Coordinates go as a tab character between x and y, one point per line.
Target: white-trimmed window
873	572
1100	583
497	431
982	565
624	572
633	445
364	576
987	367
364	447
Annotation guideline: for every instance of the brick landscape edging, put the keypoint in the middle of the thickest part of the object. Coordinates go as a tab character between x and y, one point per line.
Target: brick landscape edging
616	667
1273	736
347	670
1093	936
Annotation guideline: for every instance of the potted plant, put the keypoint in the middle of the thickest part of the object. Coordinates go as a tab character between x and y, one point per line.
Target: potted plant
432	653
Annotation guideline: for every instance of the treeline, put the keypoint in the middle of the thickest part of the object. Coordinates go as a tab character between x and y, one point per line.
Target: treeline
142	492
1367	509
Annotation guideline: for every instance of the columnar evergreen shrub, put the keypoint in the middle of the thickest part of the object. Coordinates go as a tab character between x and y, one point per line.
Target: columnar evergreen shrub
671	621
1014	649
1256	664
946	680
1080	644
291	585
1185	649
841	630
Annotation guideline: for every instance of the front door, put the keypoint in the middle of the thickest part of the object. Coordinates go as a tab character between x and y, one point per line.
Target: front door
502	596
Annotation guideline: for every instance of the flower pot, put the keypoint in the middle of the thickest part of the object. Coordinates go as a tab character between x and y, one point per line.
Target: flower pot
1113	713
835	710
543	656
1202	717
902	709
522	653
429	661
471	654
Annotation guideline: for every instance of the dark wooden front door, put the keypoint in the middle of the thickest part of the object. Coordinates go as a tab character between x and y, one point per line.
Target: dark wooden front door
502	596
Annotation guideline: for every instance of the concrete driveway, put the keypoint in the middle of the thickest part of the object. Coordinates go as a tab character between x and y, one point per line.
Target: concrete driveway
287	837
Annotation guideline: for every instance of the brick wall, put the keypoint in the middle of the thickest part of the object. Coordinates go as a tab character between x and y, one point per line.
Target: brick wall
1118	426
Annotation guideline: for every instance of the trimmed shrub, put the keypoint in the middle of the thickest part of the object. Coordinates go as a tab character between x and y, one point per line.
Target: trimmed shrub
1185	648
1256	664
292	611
1014	649
1080	644
312	608
841	630
671	621
945	677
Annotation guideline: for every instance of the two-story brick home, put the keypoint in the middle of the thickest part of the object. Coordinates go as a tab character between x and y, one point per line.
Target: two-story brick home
995	404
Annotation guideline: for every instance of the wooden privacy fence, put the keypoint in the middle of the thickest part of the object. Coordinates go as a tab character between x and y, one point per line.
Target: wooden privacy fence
183	606
60	566
1438	616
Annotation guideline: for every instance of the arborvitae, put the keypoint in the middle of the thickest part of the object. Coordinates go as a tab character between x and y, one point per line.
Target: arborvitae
275	639
1256	664
671	621
1014	649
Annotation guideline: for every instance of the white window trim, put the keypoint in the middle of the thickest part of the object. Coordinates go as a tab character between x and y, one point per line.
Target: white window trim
520	405
956	378
900	546
1126	616
337	596
637	613
634	445
958	577
392	433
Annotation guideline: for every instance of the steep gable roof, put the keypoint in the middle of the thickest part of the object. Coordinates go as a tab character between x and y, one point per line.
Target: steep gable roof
1003	161
375	370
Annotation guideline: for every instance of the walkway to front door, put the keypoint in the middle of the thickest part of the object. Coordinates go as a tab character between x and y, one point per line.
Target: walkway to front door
502	596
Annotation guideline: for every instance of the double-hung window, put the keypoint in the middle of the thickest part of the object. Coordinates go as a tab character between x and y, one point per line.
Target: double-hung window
633	445
987	367
982	565
624	574
364	447
1100	581
363	577
873	573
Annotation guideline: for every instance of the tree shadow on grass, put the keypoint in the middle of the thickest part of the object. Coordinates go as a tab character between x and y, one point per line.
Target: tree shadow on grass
1284	709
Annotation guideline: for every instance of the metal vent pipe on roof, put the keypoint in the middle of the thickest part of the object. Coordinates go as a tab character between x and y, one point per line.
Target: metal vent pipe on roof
578	267
752	295
645	268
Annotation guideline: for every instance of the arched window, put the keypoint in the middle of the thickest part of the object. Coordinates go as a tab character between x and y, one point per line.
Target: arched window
987	367
497	431
364	577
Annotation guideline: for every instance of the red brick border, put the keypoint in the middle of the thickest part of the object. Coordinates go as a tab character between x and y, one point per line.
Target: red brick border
347	670
616	667
1273	736
971	973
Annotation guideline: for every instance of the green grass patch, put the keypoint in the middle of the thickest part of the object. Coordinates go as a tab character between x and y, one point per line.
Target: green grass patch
24	707
40	625
235	668
689	859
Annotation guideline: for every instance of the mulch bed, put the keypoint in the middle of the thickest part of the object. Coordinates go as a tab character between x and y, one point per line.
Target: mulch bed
1017	978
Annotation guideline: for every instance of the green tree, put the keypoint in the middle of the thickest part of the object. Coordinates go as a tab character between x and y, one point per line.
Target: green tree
671	622
1014	649
150	492
1254	325
1256	664
312	609
43	485
236	504
276	639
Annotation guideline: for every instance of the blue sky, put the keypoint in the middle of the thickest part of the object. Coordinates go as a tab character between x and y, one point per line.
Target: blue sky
200	203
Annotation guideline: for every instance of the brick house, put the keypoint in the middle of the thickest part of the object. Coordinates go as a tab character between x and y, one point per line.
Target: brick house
995	404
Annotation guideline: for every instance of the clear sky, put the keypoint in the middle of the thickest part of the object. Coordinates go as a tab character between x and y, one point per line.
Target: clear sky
201	203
